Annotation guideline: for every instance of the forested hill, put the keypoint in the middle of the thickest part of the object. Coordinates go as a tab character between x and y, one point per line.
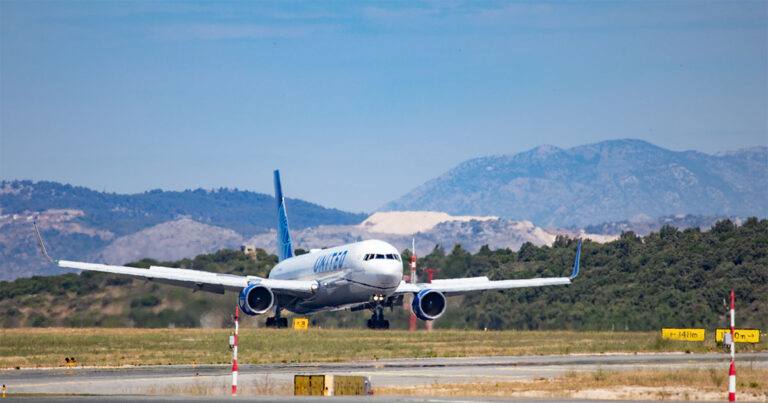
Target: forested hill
242	211
669	278
86	225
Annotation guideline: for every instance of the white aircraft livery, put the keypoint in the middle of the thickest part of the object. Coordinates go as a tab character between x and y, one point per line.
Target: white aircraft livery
356	276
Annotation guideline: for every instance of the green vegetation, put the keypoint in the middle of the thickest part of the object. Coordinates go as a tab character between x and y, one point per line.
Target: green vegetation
98	299
670	278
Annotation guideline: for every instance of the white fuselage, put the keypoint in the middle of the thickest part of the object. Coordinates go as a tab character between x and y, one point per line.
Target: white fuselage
346	275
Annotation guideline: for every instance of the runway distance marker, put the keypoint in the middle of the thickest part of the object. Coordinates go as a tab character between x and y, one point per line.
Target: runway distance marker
300	323
683	334
740	335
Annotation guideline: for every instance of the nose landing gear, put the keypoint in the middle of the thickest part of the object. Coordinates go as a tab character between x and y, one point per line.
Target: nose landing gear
377	320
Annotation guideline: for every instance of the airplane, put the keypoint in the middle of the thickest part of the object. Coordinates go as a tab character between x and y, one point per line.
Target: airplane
356	276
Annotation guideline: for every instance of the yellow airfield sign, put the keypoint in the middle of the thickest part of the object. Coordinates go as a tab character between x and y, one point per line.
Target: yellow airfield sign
300	323
740	335
683	334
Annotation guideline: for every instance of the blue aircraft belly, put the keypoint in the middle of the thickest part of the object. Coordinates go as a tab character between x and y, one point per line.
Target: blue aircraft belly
338	294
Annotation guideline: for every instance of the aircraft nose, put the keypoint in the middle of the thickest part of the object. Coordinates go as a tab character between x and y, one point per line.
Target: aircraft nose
388	273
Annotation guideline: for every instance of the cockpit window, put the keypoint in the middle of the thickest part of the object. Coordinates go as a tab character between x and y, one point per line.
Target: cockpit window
388	256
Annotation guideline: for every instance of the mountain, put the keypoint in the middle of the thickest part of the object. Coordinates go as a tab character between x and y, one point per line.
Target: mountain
242	211
604	182
82	224
172	240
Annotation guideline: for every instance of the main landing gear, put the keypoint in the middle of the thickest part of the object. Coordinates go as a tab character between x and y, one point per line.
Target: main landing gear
277	322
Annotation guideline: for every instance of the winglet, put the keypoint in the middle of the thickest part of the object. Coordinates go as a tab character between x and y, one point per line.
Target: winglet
576	263
42	246
284	247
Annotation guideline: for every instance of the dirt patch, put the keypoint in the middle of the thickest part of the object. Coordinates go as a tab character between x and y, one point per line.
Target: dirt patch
682	385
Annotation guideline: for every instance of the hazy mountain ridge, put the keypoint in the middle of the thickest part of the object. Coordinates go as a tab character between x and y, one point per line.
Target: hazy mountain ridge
82	224
603	182
622	183
173	240
243	211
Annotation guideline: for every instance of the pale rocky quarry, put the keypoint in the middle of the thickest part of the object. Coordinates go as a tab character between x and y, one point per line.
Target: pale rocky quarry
428	229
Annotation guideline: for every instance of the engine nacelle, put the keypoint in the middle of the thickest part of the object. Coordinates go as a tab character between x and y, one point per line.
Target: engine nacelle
256	299
428	304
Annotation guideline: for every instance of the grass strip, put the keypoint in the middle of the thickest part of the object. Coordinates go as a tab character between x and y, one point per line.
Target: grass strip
47	347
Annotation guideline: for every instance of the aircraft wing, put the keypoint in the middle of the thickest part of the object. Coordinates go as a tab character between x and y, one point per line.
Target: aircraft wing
460	286
195	279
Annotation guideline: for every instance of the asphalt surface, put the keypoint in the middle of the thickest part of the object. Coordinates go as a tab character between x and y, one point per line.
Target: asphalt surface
301	399
309	399
163	382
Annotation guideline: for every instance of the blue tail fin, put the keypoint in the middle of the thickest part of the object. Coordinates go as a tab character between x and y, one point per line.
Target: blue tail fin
576	263
284	247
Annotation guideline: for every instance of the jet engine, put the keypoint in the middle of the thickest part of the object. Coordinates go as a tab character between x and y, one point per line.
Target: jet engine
428	304
256	299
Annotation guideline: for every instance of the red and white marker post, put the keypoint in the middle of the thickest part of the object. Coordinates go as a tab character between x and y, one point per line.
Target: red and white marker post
413	280
234	359
732	372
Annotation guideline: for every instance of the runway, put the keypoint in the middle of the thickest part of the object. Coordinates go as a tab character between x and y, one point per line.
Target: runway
257	380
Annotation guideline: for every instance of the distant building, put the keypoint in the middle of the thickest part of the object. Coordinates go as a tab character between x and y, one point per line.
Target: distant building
249	250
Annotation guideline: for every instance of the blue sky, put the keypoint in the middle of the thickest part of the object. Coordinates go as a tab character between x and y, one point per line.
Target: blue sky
358	102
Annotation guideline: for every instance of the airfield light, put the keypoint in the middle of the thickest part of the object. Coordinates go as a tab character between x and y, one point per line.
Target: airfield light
431	272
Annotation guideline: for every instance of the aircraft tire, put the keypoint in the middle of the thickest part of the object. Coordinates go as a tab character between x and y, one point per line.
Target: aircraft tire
283	323
378	324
